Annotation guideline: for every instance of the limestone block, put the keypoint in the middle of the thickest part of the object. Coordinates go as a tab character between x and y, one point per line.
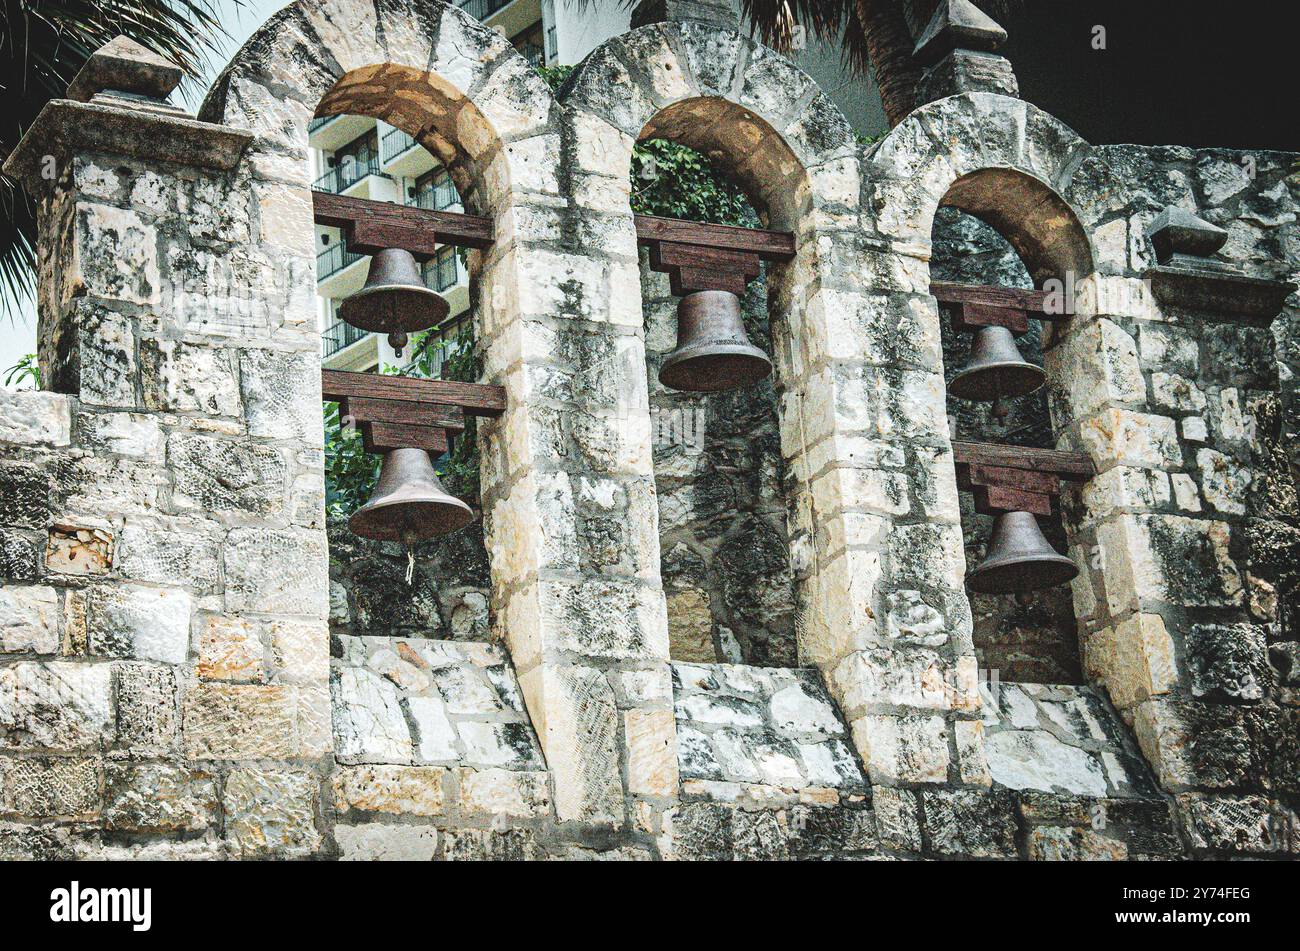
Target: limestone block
1193	745
437	736
400	790
50	788
77	550
135	623
1223	481
690	627
498	792
975	824
220	475
271	812
148	717
157	798
247	721
299	652
489	845
106	354
230	648
912	749
1171	349
277	572
25	494
188	556
378	842
29	619
55	706
19	555
1127	438
368	721
498	744
34	418
1168	558
279	392
1095	367
912	677
125	434
1227	662
897	818
580	738
650	738
187	378
1135	660
1233	824
1035	759
116	255
1065	844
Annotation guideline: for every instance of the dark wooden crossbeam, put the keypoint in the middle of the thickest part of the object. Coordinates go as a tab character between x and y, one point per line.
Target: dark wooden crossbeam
476	399
1016	298
370	226
1070	466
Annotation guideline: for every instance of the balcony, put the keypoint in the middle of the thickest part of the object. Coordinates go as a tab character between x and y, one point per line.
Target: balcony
438	195
442	271
394	143
349	170
482	9
334	259
338	336
535	55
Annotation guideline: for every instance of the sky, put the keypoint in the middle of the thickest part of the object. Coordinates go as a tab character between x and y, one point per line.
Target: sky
18	330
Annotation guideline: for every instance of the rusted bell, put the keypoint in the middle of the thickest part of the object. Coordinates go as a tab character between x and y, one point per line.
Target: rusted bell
409	504
996	369
713	351
394	300
1019	559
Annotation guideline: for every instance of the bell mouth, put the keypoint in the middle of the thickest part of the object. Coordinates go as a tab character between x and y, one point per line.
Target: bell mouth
995	381
1022	573
395	307
397	520
714	368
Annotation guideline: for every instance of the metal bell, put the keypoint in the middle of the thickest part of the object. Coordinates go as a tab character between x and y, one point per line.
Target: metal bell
409	504
1019	559
996	369
394	299
713	351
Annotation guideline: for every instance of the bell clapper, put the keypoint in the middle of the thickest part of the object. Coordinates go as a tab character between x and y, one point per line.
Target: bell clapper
397	340
1001	408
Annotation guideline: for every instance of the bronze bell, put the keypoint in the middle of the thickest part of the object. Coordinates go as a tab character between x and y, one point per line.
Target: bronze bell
409	504
394	300
1019	559
996	369
713	351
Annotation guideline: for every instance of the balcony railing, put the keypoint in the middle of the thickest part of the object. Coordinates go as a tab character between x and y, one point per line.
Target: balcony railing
395	142
482	9
334	259
349	170
535	55
320	122
441	271
447	340
438	195
338	335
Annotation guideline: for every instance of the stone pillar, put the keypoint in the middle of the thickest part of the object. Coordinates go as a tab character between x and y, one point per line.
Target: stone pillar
1169	382
722	14
182	517
957	51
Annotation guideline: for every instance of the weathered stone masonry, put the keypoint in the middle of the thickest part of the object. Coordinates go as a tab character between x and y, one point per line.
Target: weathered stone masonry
167	682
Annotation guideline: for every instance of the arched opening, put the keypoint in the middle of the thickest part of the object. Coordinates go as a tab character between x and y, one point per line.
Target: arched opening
398	148
719	472
1001	228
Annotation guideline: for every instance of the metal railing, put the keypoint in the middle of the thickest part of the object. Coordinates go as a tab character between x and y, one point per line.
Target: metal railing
320	122
394	143
438	194
442	270
334	259
482	9
349	170
535	55
445	341
338	335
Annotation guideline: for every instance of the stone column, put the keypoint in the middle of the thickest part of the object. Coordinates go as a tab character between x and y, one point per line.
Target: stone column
184	524
957	49
1169	382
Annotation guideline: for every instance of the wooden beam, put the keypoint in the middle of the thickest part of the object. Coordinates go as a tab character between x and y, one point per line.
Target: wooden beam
1014	298
476	399
381	437
371	226
1070	466
768	245
360	409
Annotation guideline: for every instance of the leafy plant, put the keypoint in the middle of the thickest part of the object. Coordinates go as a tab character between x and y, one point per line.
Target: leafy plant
25	369
350	472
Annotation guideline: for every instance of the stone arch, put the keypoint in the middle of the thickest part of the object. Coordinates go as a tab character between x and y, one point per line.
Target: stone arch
753	114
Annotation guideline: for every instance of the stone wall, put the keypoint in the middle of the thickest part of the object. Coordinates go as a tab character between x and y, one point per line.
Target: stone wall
165	665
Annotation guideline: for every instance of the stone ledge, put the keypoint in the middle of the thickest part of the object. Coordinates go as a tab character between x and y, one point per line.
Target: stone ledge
65	126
